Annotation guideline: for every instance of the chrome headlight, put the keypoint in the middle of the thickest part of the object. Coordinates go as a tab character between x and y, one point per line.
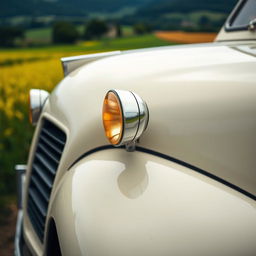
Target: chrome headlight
125	117
37	99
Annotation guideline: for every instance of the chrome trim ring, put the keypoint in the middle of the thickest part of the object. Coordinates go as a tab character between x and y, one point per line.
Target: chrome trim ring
135	115
37	99
143	116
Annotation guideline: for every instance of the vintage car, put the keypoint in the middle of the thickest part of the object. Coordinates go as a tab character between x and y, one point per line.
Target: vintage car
146	152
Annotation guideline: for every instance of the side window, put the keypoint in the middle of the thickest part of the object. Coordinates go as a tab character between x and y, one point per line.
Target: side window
243	14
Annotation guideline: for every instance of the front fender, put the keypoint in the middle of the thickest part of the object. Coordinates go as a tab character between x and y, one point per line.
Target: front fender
114	202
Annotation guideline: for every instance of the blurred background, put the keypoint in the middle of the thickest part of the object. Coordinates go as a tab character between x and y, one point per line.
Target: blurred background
35	34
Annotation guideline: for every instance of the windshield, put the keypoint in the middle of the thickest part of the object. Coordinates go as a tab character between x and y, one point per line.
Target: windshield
242	16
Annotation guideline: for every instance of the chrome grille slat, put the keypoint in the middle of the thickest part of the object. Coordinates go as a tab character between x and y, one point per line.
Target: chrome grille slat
47	156
53	135
44	177
37	214
39	229
41	188
47	164
37	199
51	144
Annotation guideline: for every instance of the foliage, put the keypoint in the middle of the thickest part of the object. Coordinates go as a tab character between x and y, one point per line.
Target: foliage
160	14
15	130
42	36
119	30
39	35
95	28
141	28
64	7
181	14
64	32
157	8
8	35
39	7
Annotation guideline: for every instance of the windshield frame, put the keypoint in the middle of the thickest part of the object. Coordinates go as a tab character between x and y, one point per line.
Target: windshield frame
228	25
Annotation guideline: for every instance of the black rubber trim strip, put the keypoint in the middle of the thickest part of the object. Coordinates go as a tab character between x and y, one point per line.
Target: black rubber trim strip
91	152
180	162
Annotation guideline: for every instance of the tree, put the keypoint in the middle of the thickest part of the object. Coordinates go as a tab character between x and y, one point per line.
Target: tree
95	29
8	35
64	32
204	21
141	28
119	31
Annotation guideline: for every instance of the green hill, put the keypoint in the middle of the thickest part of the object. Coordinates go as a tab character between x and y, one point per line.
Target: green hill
192	15
63	7
184	6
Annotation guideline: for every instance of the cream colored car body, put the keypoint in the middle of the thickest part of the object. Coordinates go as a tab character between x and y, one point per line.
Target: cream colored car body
189	188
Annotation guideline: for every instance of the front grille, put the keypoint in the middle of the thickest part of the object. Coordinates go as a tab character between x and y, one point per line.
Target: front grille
47	156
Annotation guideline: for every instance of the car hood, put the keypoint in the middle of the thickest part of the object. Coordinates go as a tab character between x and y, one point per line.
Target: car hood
201	101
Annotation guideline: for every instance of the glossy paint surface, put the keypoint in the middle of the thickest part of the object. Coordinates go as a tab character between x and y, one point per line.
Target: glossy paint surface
235	36
119	203
202	111
201	102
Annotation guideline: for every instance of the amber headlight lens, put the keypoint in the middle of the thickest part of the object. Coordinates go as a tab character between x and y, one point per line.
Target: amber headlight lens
125	117
112	118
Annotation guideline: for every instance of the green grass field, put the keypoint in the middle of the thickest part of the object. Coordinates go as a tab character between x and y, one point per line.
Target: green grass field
43	35
39	35
123	43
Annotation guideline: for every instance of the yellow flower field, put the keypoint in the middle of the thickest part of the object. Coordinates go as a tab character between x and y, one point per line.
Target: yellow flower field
15	82
19	72
36	70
